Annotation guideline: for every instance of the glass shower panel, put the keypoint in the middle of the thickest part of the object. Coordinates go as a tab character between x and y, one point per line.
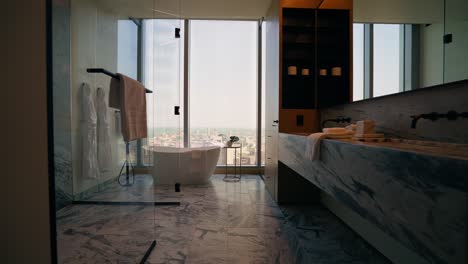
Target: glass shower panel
164	150
110	214
163	72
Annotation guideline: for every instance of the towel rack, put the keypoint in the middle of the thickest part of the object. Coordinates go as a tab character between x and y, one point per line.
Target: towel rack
108	73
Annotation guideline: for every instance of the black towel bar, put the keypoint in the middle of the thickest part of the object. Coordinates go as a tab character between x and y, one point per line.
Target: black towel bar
108	73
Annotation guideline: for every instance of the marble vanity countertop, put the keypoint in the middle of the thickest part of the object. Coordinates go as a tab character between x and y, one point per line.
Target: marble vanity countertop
442	149
449	150
415	193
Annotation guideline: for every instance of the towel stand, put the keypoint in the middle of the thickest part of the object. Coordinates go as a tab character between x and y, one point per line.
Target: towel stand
128	166
129	169
108	73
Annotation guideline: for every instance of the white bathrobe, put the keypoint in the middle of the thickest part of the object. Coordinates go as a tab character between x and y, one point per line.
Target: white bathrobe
89	163
104	147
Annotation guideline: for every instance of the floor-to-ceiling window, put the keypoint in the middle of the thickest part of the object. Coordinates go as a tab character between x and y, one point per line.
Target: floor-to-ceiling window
358	62
386	59
378	66
263	90
223	85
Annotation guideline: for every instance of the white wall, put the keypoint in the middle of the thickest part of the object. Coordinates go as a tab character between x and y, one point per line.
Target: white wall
205	9
93	45
456	53
431	55
399	11
25	223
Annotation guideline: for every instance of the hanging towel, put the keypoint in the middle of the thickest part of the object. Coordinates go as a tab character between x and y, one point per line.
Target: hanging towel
89	163
104	147
133	108
312	151
114	93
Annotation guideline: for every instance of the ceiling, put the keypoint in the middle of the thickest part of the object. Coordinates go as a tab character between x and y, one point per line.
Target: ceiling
365	11
201	9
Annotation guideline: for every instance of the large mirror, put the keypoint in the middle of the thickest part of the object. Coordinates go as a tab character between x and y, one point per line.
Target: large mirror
406	45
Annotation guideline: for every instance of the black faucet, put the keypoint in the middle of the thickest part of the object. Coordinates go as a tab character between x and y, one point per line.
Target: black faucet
337	120
450	115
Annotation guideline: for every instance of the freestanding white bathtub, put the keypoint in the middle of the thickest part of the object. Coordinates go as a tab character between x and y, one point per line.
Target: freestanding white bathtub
184	165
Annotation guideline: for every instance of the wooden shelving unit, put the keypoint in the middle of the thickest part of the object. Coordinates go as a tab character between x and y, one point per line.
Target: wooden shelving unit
315	39
333	46
306	34
298	44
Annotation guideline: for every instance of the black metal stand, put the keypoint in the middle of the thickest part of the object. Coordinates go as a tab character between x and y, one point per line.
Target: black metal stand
234	177
125	203
148	252
128	166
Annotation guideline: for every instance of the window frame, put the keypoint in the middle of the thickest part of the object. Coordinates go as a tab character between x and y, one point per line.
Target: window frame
186	89
409	68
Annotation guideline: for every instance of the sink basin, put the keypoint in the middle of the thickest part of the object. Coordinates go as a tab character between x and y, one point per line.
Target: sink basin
459	151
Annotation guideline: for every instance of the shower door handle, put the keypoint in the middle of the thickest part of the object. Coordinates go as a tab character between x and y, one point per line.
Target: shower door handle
176	110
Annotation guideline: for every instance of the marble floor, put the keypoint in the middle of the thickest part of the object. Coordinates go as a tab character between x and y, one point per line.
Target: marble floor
216	223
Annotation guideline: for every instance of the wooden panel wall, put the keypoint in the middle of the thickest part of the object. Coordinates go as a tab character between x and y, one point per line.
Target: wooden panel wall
300	3
337	4
26	222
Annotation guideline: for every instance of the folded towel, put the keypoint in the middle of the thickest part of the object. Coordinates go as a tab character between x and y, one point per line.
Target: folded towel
133	108
365	127
351	128
313	146
335	130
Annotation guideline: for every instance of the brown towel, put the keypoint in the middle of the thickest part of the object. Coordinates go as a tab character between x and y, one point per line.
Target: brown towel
114	93
133	108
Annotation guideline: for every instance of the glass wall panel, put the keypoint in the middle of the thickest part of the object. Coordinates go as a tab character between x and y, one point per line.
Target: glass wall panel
106	215
163	62
223	85
127	64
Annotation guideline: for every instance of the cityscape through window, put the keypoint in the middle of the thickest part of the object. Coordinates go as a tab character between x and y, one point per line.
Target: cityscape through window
223	86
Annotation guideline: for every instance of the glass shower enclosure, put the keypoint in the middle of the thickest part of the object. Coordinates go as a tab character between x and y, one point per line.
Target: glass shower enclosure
107	194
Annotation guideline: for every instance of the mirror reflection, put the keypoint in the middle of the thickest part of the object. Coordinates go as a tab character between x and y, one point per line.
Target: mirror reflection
406	45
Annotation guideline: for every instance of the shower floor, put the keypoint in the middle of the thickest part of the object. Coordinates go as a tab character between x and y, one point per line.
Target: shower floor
220	222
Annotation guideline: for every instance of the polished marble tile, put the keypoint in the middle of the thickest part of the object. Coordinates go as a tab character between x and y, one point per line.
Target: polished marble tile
217	222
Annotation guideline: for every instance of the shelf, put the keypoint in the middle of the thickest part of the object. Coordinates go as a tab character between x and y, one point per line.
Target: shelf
311	27
314	39
299	30
298	60
291	43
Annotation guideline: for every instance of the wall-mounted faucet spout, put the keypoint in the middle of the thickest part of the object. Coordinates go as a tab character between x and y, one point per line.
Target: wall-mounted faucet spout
450	115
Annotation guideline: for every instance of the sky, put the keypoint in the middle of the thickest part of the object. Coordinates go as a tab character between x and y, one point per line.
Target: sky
386	59
223	69
222	73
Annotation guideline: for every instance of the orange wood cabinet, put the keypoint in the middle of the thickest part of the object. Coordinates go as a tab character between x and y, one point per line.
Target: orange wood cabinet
314	60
